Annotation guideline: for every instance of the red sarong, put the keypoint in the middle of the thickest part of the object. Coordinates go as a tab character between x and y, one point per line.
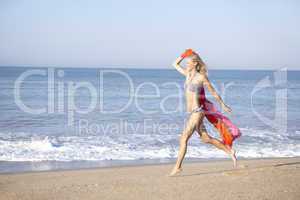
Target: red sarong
228	131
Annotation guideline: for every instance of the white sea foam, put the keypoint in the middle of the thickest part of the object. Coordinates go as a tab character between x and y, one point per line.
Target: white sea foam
258	139
253	144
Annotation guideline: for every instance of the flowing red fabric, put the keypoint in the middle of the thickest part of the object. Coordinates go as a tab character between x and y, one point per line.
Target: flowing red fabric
228	131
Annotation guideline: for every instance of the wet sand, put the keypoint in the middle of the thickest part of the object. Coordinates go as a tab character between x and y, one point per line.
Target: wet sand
253	179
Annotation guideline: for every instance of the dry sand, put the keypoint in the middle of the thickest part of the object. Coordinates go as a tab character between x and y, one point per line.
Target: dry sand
253	179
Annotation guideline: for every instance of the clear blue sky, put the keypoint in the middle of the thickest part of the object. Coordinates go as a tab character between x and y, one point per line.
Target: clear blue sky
241	34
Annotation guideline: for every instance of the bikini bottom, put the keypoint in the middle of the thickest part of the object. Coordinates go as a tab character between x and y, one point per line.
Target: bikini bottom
195	110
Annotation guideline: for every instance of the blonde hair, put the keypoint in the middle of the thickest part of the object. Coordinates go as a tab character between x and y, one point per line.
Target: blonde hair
201	66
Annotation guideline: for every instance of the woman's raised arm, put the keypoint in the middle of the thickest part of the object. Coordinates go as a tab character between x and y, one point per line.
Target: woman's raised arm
177	66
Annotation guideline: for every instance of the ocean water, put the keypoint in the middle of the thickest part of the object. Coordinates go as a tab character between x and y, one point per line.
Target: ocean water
70	114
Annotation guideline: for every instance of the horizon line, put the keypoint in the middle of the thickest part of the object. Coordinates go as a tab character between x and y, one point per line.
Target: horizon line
144	67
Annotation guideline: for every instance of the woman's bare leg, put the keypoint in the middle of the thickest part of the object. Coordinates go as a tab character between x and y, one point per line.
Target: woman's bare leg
206	138
187	133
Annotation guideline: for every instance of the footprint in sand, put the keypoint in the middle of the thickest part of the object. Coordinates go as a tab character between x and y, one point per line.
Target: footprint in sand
235	173
242	166
238	171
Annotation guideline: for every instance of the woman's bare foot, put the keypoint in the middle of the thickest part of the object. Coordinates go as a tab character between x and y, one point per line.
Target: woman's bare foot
233	157
175	171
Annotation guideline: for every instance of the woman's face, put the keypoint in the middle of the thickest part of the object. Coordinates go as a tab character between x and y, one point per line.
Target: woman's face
191	64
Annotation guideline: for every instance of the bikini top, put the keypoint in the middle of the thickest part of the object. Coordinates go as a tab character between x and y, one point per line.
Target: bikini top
192	87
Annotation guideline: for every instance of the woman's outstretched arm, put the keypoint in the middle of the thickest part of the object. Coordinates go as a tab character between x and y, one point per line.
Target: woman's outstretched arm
177	66
212	90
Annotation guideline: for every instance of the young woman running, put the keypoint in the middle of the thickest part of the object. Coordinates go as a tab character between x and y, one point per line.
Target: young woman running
199	107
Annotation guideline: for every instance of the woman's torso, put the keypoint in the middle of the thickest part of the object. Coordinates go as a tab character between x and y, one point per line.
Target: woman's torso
192	85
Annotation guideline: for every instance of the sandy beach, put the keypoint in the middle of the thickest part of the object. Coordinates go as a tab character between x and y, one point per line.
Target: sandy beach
253	179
